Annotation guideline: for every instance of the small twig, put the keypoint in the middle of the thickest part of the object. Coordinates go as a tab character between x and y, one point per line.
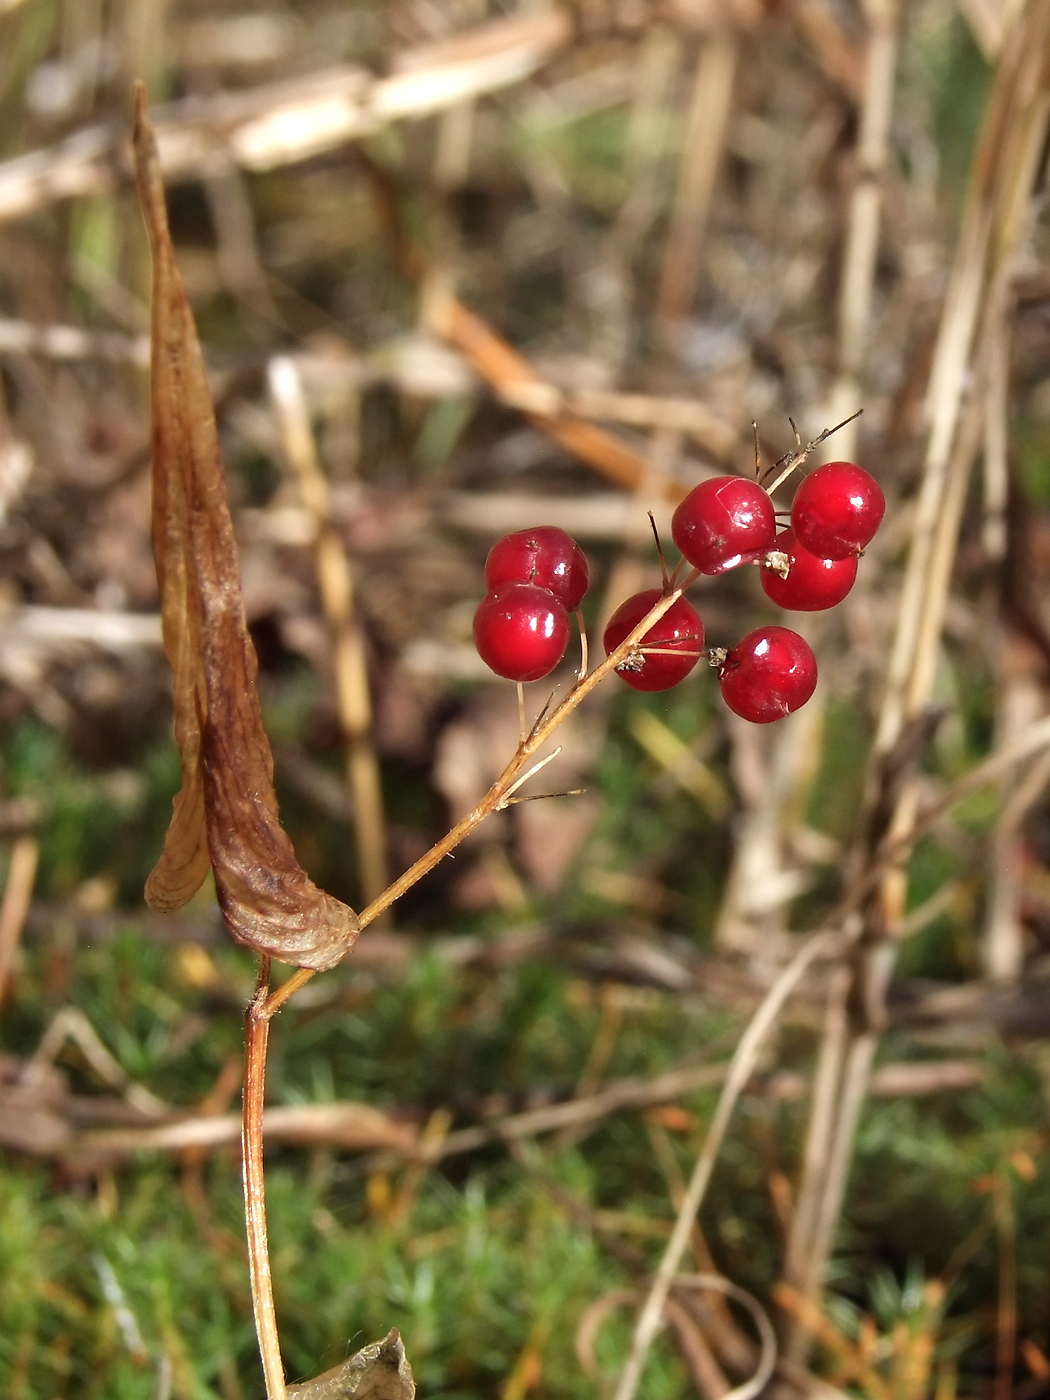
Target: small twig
540	796
522	731
544	711
660	552
542	763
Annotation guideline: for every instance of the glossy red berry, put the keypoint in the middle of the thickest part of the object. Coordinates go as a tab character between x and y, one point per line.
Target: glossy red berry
768	674
521	631
837	510
724	522
679	635
545	556
811	583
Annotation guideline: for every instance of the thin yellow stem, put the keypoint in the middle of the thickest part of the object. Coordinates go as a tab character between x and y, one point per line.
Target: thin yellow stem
257	1031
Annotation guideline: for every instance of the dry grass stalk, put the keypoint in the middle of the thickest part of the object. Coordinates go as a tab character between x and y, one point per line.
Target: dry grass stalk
349	659
707	1374
72	343
994	224
352	1127
506	370
644	176
988	23
18	892
854	319
688	416
1002	941
763	878
774	770
705	135
293	120
740	1070
862	234
837	54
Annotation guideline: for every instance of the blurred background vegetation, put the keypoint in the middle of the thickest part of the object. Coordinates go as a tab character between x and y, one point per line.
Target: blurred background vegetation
652	203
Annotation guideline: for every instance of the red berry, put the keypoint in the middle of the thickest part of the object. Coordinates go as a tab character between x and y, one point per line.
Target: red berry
521	631
545	556
811	583
679	631
723	523
768	674
837	510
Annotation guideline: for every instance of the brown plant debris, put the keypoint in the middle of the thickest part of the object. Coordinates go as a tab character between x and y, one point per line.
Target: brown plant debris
379	1371
225	814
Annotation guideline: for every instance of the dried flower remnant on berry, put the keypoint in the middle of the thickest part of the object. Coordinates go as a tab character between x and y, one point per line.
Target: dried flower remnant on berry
795	579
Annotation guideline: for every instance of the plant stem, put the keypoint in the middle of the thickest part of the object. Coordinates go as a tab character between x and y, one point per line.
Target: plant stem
256	1037
500	790
508	778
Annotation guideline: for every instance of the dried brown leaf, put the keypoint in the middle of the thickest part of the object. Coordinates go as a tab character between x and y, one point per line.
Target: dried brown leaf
226	812
379	1371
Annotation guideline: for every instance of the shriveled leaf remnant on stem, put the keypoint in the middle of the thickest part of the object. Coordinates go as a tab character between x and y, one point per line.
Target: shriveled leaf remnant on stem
379	1371
226	814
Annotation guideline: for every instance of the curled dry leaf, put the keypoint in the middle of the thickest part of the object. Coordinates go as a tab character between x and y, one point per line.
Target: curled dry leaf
379	1371
225	814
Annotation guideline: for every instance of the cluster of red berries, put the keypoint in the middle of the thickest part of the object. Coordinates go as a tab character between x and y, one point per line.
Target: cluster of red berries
536	577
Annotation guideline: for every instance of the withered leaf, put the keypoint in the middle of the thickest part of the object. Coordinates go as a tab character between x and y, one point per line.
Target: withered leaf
379	1371
225	814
